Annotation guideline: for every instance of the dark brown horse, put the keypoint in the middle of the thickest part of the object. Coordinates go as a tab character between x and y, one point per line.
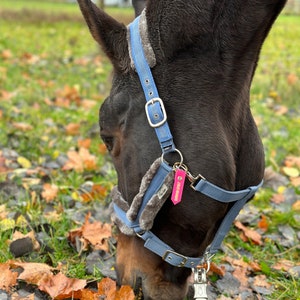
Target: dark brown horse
203	57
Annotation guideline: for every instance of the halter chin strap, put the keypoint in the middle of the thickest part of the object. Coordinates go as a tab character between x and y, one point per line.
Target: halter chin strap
157	118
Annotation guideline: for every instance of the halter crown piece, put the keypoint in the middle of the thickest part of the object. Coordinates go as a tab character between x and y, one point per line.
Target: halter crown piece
155	185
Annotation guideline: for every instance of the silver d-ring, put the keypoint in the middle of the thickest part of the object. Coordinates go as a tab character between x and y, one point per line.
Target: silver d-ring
175	150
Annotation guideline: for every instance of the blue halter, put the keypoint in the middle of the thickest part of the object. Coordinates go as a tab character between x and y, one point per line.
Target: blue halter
157	119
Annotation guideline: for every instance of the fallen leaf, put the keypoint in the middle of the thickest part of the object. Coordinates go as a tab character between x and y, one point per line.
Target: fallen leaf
261	281
263	223
292	79
97	234
80	161
296	206
292	161
278	198
295	181
72	129
22	126
98	191
24	162
86	143
251	234
59	284
32	272
107	287
290	171
125	293
283	265
8	278
49	192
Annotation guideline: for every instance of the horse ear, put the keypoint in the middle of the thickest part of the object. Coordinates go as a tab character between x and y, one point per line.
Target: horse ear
109	33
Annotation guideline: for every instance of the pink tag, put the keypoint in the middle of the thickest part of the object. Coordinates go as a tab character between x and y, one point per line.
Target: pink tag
178	186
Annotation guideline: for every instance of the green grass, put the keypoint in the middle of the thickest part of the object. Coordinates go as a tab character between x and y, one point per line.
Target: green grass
51	49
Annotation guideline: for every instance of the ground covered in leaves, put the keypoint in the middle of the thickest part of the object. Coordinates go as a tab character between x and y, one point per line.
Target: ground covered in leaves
55	175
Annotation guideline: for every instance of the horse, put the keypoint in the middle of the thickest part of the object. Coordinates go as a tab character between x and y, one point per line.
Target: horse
200	57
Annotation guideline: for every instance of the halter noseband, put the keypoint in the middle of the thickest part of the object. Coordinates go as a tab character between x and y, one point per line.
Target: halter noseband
157	119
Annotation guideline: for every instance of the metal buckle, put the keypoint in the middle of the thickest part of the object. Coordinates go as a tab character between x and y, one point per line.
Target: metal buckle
184	258
151	102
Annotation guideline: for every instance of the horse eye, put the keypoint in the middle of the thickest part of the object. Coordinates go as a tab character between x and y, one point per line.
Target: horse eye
108	141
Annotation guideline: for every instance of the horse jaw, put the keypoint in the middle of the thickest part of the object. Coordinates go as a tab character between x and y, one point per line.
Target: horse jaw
108	33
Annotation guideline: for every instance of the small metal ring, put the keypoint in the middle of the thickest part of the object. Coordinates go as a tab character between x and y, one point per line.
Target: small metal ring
175	150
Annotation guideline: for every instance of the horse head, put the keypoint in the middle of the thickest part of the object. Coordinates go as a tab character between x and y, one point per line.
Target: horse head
202	55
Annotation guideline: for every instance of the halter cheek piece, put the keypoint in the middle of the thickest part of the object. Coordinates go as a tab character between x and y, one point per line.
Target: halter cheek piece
157	119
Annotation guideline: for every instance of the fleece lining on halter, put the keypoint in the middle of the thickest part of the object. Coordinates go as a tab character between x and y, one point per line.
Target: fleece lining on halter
143	30
155	186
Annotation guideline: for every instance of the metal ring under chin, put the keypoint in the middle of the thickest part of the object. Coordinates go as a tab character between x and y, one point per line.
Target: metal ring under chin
176	151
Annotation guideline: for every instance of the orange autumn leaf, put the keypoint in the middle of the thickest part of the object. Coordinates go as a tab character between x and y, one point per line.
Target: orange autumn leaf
292	161
8	278
263	223
97	234
98	192
251	234
32	272
125	293
102	149
292	79
107	287
296	206
86	143
72	129
49	192
80	161
58	285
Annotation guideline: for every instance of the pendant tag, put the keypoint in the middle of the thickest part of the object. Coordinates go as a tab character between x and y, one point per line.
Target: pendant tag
178	185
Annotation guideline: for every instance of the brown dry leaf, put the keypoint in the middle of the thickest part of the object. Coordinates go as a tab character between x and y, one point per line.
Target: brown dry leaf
295	181
86	103
97	234
278	198
49	192
98	192
261	281
125	293
107	287
242	275
72	129
292	79
33	272
236	262
292	161
80	161
84	294
102	149
6	54
296	206
69	93
251	234
5	95
254	266
86	143
8	278
22	126
283	264
281	110
59	285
